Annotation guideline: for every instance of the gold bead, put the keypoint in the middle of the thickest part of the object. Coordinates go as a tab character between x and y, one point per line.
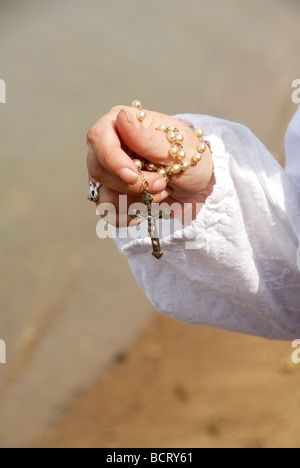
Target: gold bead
179	138
171	136
199	132
176	168
151	167
138	164
173	151
137	104
141	115
185	166
202	148
181	154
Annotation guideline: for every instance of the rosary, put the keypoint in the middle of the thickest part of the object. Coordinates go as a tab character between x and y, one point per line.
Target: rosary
178	164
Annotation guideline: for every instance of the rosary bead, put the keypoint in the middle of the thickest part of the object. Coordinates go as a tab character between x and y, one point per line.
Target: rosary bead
138	164
141	115
176	168
179	138
181	154
199	132
162	171
151	167
173	151
137	104
197	158
185	166
162	128
202	147
171	136
171	129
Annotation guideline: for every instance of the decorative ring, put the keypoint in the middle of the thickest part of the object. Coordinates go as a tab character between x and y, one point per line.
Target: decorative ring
94	192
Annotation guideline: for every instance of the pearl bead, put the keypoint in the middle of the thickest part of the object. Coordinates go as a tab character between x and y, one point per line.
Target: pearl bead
176	168
137	104
173	151
162	128
185	166
197	158
171	129
202	148
199	132
162	171
138	164
181	154
151	167
179	138
141	115
171	136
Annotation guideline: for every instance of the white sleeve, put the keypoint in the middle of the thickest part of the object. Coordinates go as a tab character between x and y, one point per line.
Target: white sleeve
241	271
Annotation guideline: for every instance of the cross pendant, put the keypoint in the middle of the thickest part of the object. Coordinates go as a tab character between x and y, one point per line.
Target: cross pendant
152	216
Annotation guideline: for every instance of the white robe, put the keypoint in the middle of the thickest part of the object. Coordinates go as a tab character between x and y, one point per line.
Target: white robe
242	272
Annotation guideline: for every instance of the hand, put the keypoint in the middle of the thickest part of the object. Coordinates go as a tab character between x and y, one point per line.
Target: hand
113	168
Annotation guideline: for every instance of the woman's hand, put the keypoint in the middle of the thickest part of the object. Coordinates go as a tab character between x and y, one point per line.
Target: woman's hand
117	173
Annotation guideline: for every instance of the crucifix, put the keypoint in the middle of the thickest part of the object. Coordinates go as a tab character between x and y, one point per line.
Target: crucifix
152	216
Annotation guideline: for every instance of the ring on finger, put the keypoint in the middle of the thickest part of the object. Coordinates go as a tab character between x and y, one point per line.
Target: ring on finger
93	195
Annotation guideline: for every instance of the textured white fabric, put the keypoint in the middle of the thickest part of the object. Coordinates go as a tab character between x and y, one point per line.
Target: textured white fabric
242	271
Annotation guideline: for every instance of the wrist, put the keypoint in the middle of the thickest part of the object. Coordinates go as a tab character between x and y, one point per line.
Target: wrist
207	176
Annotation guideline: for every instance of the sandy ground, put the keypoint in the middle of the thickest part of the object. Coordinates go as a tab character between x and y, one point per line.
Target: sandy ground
66	297
182	386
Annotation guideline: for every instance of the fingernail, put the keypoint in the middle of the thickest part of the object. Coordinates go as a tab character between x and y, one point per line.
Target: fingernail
159	185
128	176
131	119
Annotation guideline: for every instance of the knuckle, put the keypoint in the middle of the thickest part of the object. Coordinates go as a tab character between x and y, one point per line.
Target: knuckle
94	133
151	144
91	135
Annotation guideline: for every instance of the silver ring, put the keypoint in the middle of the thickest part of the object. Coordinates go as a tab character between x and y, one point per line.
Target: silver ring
94	192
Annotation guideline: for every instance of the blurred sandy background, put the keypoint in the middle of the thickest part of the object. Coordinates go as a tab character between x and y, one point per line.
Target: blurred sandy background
90	363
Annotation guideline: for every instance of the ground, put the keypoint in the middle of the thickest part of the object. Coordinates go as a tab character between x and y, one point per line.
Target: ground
187	386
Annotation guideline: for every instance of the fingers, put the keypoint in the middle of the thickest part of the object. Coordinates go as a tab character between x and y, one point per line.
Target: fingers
98	173
104	140
146	142
105	143
107	195
115	208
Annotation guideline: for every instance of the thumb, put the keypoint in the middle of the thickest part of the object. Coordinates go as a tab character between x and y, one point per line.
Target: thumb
145	142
